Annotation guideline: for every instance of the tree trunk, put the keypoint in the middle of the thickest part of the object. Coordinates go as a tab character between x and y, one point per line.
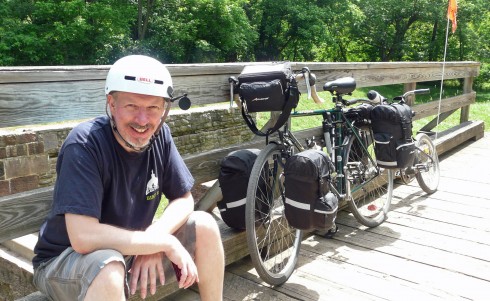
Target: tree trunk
144	17
433	48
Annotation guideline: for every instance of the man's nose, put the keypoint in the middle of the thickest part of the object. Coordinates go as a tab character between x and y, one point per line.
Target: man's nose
142	116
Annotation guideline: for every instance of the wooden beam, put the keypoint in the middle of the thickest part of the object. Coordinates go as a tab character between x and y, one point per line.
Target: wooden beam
447	104
22	213
434	122
409	87
35	103
453	137
467	88
99	72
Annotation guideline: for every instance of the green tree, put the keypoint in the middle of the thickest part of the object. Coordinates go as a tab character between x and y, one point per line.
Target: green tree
185	31
338	44
287	29
475	22
384	28
55	32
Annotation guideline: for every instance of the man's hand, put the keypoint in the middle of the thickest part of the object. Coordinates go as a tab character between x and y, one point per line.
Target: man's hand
145	269
183	260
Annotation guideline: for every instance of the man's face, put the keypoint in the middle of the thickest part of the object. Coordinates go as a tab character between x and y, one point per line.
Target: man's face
136	116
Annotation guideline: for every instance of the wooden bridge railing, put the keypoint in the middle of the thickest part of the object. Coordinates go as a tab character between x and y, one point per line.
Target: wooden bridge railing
31	95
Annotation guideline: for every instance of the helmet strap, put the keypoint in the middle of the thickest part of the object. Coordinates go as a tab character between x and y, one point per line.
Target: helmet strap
164	117
162	121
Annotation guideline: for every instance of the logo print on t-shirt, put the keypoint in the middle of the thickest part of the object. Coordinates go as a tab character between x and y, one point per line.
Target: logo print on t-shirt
151	187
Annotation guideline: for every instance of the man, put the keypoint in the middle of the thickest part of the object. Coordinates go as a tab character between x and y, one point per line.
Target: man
100	241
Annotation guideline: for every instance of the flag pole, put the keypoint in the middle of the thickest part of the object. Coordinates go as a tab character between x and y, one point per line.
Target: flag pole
442	76
452	9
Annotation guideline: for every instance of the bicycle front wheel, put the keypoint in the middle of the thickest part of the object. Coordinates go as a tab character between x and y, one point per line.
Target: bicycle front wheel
426	164
273	244
369	188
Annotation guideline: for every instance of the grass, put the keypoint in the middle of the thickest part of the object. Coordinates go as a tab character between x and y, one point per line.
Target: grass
478	111
161	207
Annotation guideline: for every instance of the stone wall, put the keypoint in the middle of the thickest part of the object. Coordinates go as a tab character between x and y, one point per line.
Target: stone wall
28	155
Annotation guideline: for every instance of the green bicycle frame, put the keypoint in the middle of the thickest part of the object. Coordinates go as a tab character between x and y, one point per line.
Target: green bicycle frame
340	129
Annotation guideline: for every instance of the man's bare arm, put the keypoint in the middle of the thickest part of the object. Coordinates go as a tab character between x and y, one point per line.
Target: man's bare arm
87	234
175	215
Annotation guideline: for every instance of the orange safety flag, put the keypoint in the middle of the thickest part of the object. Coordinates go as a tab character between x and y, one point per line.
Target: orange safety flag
452	10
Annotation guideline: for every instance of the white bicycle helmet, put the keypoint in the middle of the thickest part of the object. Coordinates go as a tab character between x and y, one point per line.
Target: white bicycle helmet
139	74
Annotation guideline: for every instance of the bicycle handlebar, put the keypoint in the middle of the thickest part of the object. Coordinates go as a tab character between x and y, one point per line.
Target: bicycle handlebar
349	102
376	98
310	80
415	92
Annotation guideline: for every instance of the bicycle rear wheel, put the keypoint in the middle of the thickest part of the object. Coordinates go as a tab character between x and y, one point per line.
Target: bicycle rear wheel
426	164
273	244
369	188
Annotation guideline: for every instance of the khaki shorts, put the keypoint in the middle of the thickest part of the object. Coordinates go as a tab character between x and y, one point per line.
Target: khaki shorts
68	276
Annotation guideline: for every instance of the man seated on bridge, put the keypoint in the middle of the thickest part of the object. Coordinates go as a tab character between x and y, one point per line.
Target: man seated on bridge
100	241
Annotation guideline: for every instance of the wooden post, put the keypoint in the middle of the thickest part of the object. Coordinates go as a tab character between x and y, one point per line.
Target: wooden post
467	88
409	87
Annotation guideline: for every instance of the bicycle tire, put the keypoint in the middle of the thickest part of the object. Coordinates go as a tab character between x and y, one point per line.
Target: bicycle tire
428	172
369	188
273	244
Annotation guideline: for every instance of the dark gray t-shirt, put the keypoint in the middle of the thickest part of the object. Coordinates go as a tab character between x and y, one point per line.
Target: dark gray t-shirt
98	178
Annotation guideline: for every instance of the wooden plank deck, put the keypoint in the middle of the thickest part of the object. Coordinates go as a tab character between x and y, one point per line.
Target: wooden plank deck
433	247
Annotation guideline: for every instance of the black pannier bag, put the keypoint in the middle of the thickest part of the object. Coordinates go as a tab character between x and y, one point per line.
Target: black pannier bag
309	204
392	128
267	88
233	178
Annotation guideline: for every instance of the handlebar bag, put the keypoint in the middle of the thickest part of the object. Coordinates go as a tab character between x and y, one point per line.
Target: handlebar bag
267	88
264	96
309	204
392	128
264	88
233	177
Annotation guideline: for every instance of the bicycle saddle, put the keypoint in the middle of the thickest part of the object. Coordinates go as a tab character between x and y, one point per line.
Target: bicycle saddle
344	85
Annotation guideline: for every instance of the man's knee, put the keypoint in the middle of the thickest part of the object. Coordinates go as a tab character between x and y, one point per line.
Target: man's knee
110	280
113	273
205	224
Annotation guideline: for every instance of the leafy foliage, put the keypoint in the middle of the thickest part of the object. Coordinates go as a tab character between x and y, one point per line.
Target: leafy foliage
56	32
185	31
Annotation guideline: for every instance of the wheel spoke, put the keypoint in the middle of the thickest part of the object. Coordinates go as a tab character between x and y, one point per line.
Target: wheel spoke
370	187
427	164
273	244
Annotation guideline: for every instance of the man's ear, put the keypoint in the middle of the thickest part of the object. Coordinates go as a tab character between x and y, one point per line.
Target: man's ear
110	105
110	100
